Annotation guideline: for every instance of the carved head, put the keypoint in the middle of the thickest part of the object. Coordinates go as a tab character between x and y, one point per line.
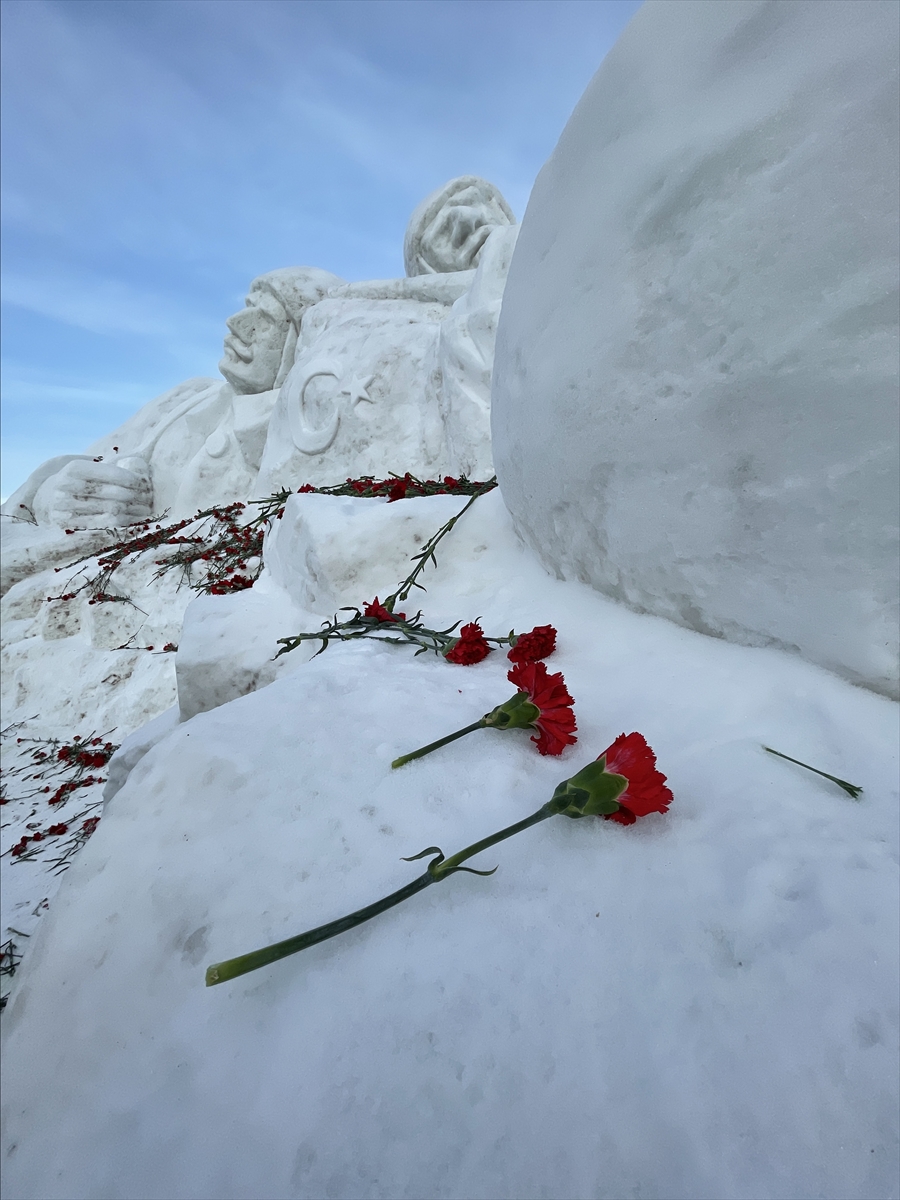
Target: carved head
449	228
259	347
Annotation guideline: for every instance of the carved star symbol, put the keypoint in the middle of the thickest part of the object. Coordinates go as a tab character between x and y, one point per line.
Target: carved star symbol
355	388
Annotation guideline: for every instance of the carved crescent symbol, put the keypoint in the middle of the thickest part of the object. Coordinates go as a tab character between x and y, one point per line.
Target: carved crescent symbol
306	438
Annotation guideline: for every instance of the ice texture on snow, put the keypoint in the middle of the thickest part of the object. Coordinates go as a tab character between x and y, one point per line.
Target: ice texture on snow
703	1004
694	398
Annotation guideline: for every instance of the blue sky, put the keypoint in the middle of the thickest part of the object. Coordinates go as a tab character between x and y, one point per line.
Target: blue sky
158	154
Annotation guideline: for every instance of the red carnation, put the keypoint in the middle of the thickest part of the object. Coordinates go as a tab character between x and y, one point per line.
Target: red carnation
377	610
556	720
532	647
470	647
629	755
630	780
541	703
621	785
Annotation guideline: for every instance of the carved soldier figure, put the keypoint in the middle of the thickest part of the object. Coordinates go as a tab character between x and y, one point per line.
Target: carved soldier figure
323	379
386	371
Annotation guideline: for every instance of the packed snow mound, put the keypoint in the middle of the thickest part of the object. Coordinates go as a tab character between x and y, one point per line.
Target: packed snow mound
695	382
703	1004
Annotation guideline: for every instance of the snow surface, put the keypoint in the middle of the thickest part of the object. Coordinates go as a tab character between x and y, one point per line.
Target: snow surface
704	1004
695	385
64	674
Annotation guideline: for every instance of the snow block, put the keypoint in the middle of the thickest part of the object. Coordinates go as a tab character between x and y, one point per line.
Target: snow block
695	382
61	618
330	551
229	645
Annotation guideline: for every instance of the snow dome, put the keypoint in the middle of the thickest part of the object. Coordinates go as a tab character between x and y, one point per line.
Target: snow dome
695	383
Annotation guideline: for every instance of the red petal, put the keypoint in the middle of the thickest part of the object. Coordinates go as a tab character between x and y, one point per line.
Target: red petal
631	756
555	738
623	816
556	720
376	609
531	647
470	648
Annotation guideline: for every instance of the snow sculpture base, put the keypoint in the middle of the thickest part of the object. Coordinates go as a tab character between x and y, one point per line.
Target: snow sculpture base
365	378
329	551
229	645
695	382
748	936
28	549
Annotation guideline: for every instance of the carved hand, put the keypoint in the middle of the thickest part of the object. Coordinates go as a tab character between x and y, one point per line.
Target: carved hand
93	495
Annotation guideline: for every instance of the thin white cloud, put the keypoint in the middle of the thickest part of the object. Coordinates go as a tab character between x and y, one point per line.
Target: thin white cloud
106	306
30	390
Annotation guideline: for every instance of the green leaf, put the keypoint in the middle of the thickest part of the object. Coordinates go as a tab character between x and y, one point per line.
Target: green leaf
517	713
593	792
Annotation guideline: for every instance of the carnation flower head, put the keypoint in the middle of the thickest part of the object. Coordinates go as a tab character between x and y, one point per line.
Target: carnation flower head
631	756
377	610
555	721
541	702
533	646
621	785
470	647
399	488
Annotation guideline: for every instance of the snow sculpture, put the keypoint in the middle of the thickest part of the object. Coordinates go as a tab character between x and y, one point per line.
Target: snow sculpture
412	355
166	450
694	403
448	230
196	445
466	351
380	374
404	363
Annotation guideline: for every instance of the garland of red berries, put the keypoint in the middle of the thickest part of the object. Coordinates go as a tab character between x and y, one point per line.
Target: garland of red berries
73	764
226	547
213	538
379	620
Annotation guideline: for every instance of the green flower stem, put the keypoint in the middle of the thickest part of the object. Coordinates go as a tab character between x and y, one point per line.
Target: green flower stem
440	869
232	967
451	737
850	788
427	552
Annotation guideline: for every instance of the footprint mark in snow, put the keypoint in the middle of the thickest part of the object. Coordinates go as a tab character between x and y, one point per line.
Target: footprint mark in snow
195	946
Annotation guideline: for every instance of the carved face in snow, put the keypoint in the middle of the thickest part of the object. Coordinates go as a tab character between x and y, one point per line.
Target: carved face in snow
447	231
255	343
453	240
259	348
